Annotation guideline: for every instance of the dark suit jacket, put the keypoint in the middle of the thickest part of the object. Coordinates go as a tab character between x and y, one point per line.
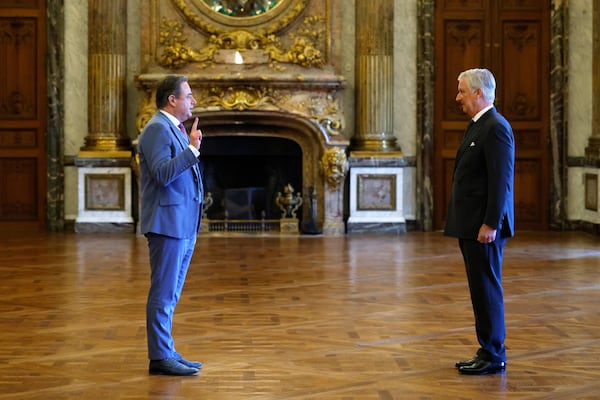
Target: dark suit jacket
483	181
171	185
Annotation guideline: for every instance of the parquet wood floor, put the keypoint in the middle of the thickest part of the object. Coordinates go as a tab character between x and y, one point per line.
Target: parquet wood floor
349	318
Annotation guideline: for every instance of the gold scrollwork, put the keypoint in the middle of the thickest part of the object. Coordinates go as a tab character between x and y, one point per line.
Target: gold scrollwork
333	166
327	114
323	109
176	53
146	112
304	51
237	98
239	40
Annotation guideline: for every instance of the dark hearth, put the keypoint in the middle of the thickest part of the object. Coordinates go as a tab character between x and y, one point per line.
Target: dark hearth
244	174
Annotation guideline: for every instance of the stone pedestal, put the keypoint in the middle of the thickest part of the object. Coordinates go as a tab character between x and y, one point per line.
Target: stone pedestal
288	226
105	195
376	189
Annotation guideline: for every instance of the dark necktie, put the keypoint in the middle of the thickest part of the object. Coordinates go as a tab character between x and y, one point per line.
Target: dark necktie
464	142
182	129
471	122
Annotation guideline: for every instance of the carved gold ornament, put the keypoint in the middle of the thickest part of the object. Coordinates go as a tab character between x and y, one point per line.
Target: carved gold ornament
321	108
333	166
238	98
176	53
327	113
305	50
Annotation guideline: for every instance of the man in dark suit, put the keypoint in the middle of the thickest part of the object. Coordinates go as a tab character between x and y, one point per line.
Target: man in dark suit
171	200
481	213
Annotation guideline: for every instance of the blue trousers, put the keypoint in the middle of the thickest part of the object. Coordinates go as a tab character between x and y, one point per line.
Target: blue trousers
169	262
483	263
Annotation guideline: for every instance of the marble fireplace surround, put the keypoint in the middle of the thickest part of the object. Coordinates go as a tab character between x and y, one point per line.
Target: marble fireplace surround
300	111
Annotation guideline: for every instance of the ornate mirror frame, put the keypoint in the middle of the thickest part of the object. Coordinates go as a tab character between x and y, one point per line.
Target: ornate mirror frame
275	19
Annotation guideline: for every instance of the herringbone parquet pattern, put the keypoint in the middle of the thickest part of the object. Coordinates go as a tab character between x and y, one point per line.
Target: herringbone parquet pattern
349	318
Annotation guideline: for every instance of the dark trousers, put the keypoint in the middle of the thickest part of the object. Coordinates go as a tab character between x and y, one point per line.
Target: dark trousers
483	264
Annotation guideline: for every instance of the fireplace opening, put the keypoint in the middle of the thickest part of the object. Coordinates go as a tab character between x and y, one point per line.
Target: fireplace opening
245	174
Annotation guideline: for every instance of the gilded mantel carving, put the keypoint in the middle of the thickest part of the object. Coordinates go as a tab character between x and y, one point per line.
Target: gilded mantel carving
276	60
318	105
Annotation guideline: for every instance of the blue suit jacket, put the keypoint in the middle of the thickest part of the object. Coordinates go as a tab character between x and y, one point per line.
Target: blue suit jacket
171	184
483	181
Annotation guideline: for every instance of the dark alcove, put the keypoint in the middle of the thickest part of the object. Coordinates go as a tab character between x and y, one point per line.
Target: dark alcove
244	174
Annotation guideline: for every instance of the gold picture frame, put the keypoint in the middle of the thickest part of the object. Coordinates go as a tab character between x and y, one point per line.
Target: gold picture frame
376	192
105	192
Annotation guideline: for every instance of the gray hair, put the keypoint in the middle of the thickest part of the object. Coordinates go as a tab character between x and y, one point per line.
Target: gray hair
480	78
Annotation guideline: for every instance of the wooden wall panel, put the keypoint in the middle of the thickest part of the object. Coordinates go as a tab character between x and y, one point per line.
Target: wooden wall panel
510	38
463	48
18	189
18	66
23	107
528	185
520	91
20	4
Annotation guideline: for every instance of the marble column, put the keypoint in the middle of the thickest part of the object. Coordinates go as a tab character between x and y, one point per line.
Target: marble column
376	162
374	76
55	209
107	41
104	172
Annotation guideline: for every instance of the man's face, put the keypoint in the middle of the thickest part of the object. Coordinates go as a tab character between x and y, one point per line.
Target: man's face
468	100
184	104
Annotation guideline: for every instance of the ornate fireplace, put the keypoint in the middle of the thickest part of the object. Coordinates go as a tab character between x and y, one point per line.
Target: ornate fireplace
269	150
285	148
268	99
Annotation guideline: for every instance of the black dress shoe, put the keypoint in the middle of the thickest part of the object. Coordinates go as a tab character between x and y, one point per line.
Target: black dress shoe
482	367
191	364
170	366
465	363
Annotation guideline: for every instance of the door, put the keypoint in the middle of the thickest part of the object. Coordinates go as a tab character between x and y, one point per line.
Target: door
22	114
510	38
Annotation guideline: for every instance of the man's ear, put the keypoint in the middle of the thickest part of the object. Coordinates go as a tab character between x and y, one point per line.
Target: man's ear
171	99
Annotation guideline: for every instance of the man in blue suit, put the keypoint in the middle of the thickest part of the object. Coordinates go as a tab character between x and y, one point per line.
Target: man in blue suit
481	214
171	203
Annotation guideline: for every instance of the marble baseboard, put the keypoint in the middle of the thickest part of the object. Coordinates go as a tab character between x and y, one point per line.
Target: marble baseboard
99	227
387	228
